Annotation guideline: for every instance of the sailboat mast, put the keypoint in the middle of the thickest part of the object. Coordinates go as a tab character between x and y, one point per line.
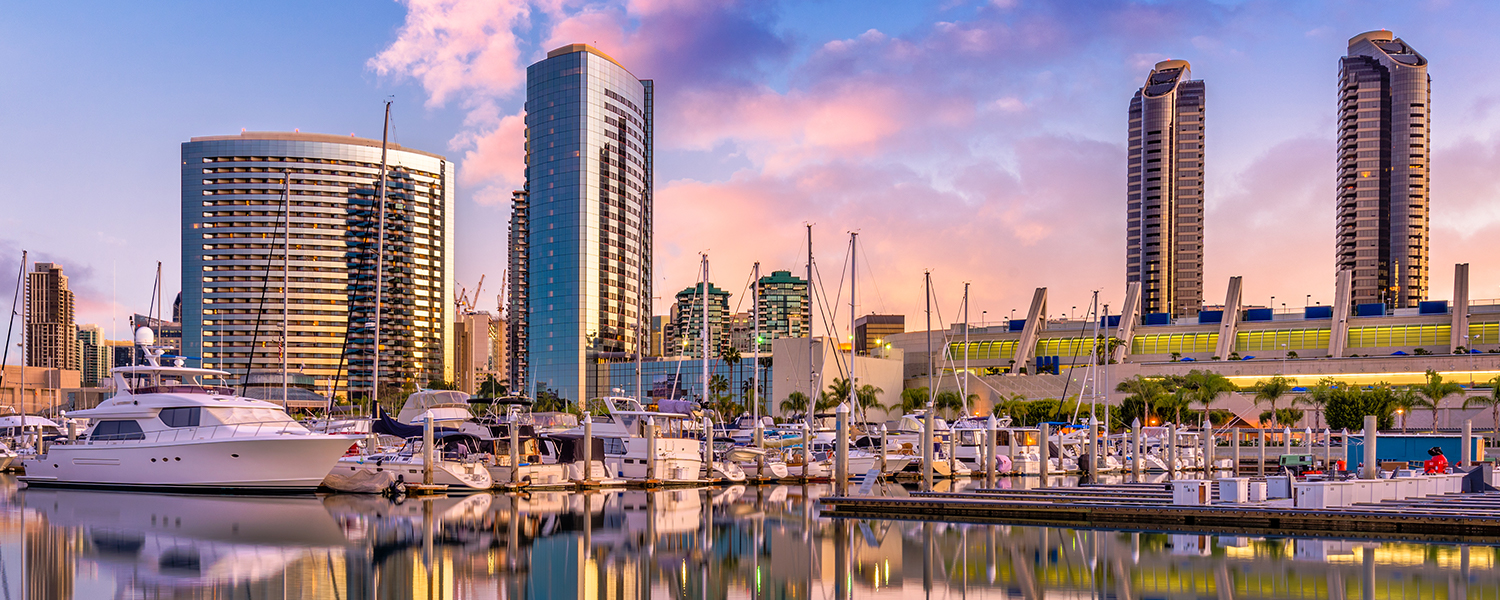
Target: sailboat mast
286	258
812	371
963	386
755	339
927	292
853	256
5	354
385	132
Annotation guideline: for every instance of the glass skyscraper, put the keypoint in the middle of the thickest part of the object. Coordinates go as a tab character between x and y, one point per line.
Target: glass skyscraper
1384	146
1164	236
232	250
581	239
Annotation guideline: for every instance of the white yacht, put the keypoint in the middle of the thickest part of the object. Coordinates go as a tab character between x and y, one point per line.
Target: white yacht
678	457
167	428
458	461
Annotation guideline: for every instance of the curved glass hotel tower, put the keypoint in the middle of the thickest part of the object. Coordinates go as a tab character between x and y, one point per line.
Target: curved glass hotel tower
232	249
1164	238
581	233
1383	185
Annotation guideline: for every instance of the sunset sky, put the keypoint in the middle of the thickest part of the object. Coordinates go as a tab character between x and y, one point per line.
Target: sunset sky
981	140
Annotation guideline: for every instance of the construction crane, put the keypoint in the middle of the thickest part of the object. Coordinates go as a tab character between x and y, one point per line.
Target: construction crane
464	303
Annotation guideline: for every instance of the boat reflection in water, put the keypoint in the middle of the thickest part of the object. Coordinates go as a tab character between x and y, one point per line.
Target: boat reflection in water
748	542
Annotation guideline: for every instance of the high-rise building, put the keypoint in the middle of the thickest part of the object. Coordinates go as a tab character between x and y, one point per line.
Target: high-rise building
870	331
659	326
742	332
1164	231
480	343
93	356
1383	152
784	309
581	234
233	250
686	333
50	340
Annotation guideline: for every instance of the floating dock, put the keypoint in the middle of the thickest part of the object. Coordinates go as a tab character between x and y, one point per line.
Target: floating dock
1471	515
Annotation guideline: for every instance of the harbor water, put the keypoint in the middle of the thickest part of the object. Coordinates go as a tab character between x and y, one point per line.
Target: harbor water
726	542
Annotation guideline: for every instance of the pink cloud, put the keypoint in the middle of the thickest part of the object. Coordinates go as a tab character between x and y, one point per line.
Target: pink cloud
455	46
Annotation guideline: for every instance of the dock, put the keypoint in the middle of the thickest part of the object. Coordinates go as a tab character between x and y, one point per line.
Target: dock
1133	506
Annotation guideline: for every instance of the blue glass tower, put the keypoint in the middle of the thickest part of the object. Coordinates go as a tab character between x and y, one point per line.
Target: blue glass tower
583	256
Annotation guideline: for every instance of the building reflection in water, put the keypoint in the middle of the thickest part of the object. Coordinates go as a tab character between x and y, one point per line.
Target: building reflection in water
755	542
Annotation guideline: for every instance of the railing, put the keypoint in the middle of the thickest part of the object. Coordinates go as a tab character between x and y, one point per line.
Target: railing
200	433
183	389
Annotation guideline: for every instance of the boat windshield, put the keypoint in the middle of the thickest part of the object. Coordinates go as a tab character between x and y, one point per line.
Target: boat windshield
242	416
151	382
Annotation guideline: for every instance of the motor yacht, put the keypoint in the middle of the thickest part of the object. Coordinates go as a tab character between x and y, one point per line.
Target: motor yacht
459	459
168	428
675	456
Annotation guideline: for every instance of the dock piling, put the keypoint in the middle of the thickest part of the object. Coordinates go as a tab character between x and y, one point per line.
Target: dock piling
1135	449
427	455
1235	441
588	448
989	452
515	449
1371	469
1208	448
1043	450
1327	451
1260	467
884	450
650	448
1466	455
1171	448
841	450
927	453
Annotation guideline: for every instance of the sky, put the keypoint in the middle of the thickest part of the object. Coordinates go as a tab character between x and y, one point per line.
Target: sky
981	141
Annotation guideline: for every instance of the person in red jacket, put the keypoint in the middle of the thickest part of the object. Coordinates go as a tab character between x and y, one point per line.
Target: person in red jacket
1436	465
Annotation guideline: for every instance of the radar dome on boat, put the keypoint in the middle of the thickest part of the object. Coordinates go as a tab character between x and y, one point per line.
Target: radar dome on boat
144	336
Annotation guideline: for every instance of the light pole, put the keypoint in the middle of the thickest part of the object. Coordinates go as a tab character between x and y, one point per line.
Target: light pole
1273	303
1308	302
1012	314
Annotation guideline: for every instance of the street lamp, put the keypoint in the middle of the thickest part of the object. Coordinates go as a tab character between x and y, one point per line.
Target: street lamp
982	315
1273	303
1308	302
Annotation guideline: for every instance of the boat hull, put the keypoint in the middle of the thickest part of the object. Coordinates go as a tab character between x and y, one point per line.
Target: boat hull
270	463
455	475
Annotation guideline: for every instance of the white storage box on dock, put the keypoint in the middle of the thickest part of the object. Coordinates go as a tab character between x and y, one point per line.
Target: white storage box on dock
1426	486
1452	483
1191	492
1310	494
1234	490
1407	487
1278	486
1360	490
1383	489
1257	491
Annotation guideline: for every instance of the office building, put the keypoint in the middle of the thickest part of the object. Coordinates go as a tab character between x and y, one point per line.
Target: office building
784	309
50	339
1383	150
659	326
1164	224
870	331
233	242
742	332
685	337
93	356
581	233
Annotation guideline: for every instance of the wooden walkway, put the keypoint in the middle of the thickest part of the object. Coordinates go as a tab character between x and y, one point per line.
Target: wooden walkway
1144	506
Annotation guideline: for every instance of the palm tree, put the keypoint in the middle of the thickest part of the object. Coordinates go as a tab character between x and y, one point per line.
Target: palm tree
912	400
731	357
1405	399
1148	391
1319	396
949	400
1204	387
1271	391
491	388
717	385
868	396
1435	390
839	388
1492	401
795	404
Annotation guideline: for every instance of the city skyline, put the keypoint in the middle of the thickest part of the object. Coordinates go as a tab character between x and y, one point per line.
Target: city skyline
805	112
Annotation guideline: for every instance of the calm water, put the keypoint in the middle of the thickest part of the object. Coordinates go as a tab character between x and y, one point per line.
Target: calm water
737	542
